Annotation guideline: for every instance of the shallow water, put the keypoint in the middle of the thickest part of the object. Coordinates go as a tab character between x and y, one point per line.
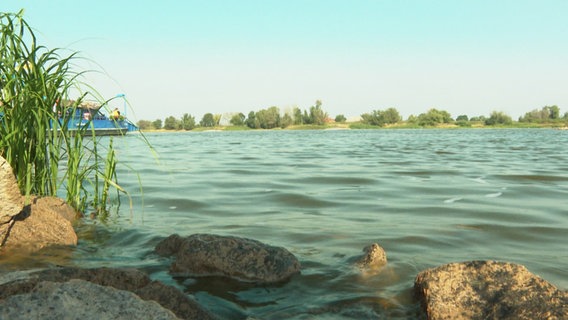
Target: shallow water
428	197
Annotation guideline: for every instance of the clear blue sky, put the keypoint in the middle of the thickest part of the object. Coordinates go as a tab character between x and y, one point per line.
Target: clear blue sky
173	57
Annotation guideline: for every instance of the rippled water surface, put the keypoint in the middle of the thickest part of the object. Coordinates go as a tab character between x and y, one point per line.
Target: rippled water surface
428	197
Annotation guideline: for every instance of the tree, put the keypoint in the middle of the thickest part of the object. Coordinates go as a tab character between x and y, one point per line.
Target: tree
554	112
208	120
434	117
372	118
187	122
298	117
381	117
463	121
317	115
238	119
157	124
412	119
546	114
144	124
498	118
286	121
306	119
269	118
340	118
391	116
171	123
478	118
251	121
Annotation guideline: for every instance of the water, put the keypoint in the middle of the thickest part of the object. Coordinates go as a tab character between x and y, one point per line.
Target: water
429	197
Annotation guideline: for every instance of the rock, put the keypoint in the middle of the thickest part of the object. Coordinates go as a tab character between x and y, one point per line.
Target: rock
137	282
11	199
79	299
43	223
374	257
46	221
238	258
57	205
488	290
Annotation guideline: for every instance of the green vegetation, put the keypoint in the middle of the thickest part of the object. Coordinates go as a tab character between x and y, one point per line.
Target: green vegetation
545	115
317	118
381	118
208	120
340	118
434	117
238	120
36	83
498	118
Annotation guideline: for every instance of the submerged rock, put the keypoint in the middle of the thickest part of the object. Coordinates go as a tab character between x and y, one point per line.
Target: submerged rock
488	290
28	283
11	199
374	257
239	258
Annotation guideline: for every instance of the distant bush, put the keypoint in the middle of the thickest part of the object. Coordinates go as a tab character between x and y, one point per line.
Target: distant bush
498	118
546	114
238	119
157	124
381	117
171	123
340	118
478	119
434	117
187	122
144	124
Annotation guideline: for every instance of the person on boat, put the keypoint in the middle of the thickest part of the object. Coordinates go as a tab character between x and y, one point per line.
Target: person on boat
115	114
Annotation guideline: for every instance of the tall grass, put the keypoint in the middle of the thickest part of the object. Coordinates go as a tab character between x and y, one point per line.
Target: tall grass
47	157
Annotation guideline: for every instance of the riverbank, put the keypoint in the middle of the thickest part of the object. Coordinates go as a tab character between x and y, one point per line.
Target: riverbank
359	125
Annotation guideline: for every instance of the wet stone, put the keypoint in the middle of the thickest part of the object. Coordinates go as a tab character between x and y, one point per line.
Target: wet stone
488	290
239	258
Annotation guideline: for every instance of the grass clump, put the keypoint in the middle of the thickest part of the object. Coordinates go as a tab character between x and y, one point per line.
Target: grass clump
35	106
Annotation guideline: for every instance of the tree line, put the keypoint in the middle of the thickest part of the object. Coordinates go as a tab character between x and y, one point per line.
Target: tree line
272	117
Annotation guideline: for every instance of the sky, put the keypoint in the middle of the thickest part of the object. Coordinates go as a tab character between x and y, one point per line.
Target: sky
171	57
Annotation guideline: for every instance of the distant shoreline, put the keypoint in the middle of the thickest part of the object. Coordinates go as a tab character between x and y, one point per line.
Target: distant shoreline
358	125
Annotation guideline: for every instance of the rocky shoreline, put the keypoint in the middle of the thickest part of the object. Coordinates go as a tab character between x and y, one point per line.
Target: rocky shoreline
464	290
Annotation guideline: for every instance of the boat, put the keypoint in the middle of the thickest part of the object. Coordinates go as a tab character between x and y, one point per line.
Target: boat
89	118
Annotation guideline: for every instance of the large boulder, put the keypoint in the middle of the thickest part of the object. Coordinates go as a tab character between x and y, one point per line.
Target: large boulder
488	290
46	221
79	299
33	283
11	200
239	258
56	205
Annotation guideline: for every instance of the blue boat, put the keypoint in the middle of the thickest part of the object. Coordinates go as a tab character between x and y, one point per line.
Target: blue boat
89	118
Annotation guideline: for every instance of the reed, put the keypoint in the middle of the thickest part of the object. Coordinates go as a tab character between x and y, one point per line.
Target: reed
46	157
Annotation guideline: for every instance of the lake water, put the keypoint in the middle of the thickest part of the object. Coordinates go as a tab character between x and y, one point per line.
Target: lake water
429	197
